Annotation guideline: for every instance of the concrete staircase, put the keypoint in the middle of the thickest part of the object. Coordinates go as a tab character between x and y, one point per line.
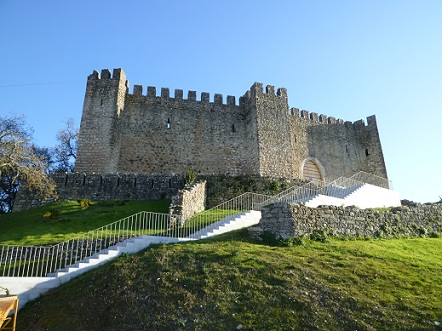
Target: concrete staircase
229	223
30	288
128	246
362	196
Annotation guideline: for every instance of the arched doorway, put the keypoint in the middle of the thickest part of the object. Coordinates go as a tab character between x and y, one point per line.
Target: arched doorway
311	170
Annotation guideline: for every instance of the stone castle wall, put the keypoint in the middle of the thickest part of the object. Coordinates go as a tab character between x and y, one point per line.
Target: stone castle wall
285	220
163	135
79	186
142	132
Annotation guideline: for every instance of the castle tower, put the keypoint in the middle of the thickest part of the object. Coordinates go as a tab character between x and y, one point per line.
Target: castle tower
270	110
99	143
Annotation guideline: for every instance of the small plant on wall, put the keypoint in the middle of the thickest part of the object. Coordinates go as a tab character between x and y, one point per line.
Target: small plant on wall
189	177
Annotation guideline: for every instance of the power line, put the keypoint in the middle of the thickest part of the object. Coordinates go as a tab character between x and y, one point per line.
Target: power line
36	84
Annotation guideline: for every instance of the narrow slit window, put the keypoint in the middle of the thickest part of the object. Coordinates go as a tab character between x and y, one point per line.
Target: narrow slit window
233	128
367	153
168	123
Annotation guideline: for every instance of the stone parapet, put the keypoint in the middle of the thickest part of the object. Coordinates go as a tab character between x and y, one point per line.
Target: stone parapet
285	220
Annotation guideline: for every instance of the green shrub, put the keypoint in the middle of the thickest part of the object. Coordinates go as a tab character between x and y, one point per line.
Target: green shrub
189	177
51	213
290	242
85	203
319	235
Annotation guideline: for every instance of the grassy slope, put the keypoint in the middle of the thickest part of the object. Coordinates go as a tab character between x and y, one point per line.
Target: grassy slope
220	283
31	228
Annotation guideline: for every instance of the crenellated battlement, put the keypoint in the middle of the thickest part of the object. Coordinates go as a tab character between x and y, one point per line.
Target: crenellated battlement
314	118
160	131
178	97
117	73
257	90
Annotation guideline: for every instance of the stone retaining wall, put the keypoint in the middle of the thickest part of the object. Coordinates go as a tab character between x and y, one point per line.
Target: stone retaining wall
286	220
95	187
189	201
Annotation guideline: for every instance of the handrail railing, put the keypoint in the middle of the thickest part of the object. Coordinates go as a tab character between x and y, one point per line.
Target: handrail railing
334	187
32	261
372	179
38	261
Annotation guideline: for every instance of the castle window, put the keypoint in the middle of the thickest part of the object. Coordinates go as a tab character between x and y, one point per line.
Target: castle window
366	152
233	128
168	123
101	102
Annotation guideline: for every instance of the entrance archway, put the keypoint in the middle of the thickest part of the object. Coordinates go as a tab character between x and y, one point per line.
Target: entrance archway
312	170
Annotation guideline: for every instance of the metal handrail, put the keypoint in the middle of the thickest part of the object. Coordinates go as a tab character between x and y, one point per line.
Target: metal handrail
38	261
33	261
339	187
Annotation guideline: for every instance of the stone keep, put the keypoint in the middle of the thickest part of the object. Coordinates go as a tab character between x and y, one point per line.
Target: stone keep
140	132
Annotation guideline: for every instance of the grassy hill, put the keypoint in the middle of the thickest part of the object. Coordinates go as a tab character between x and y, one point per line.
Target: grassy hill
65	220
232	283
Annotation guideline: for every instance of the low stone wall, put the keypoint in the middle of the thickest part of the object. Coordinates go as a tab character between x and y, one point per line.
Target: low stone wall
286	220
75	186
78	186
189	201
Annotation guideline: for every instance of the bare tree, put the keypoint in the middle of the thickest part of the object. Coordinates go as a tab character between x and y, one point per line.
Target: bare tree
20	164
65	153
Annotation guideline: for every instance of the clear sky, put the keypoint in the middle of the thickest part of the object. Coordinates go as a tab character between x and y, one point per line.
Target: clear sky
347	59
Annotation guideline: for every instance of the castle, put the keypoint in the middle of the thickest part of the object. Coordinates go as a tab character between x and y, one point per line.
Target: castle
143	133
137	146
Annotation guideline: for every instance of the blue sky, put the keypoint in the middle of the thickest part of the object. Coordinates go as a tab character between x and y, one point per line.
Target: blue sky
347	59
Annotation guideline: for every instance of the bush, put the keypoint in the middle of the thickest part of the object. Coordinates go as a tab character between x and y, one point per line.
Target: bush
189	177
85	203
319	235
51	213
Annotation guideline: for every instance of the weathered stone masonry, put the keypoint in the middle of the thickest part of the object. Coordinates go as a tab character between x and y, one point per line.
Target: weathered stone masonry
137	146
141	132
106	187
285	220
189	201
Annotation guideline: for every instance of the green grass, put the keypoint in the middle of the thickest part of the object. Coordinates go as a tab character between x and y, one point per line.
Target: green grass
71	220
231	280
220	283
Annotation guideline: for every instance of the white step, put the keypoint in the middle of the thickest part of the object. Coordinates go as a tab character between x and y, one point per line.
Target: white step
228	224
29	288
